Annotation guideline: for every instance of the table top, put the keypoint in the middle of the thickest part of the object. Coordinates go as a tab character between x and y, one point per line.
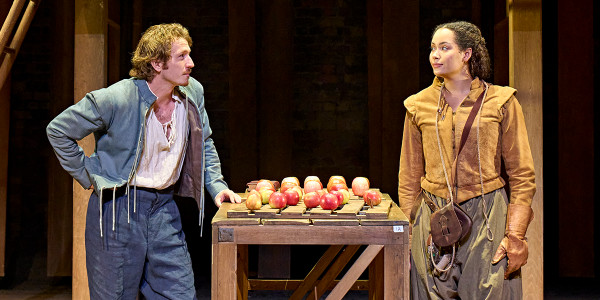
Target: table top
354	213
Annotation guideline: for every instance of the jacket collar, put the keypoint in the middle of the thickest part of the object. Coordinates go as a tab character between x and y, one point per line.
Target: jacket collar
148	96
145	92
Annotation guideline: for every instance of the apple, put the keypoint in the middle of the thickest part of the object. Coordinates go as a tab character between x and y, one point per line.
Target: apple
372	197
336	187
277	200
311	200
253	200
265	193
329	201
337	178
360	185
292	197
312	186
287	185
298	190
264	183
339	195
346	195
321	192
311	178
291	179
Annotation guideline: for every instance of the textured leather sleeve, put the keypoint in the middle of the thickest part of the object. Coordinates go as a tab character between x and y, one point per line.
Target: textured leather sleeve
412	165
516	154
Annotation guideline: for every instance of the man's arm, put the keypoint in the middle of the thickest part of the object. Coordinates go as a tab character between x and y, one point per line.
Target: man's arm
73	124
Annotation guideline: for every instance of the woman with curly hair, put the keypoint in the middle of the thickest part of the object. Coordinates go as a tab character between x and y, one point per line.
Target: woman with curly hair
458	133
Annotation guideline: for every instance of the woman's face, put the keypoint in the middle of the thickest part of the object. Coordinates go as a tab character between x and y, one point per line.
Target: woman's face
446	59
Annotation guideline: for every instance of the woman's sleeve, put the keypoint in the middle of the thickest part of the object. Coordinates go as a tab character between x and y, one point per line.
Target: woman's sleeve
412	165
516	153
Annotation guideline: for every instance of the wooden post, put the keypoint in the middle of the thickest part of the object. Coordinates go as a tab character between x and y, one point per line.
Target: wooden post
576	111
390	53
60	183
4	124
242	92
90	74
525	73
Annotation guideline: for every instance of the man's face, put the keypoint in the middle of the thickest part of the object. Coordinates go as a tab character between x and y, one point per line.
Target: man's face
179	66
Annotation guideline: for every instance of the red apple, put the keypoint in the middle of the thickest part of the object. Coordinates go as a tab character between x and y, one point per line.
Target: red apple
336	187
311	200
329	201
287	185
360	185
292	197
321	192
298	190
253	200
339	195
277	200
312	186
372	197
265	193
337	179
264	183
291	179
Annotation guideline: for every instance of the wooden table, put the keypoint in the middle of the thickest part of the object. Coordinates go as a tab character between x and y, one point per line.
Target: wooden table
386	251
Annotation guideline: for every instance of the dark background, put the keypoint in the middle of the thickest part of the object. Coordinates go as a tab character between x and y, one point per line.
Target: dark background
325	118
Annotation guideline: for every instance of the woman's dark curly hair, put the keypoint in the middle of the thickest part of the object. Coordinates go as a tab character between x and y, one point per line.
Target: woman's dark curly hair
467	35
155	45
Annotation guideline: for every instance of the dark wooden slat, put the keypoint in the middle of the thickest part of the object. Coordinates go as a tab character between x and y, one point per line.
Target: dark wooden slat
334	270
354	272
293	284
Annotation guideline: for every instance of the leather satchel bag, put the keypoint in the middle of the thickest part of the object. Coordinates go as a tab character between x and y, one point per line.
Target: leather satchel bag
449	225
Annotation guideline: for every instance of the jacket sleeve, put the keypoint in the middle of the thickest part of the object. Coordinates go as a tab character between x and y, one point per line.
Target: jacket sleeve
213	177
516	154
70	126
412	166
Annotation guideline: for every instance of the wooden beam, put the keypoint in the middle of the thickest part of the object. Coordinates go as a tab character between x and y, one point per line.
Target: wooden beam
60	183
276	59
390	53
525	74
243	111
312	278
334	270
355	271
294	284
90	74
576	117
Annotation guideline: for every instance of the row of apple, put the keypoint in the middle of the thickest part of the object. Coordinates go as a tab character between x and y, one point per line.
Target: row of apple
313	194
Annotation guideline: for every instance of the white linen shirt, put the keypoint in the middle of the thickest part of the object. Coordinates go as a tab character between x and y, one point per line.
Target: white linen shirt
162	156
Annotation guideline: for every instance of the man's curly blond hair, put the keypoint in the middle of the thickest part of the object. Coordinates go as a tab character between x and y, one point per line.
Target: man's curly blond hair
155	45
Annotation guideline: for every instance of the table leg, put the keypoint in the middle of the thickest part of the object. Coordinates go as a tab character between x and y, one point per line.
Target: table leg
224	271
376	277
242	271
395	272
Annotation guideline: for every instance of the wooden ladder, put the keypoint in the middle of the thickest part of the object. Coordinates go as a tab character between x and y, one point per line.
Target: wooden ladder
9	53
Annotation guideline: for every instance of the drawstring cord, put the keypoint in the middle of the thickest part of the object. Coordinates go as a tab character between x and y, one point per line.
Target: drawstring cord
489	233
437	131
100	206
114	206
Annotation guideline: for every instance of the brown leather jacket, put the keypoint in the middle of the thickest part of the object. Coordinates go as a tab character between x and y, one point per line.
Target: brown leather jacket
502	136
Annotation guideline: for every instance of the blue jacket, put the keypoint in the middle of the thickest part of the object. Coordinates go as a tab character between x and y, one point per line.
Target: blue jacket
116	115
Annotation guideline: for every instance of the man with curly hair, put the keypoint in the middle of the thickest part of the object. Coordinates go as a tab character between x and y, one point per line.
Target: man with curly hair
152	143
